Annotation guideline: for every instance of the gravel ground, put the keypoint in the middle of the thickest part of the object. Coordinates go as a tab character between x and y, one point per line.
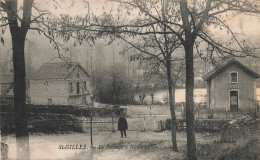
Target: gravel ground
108	146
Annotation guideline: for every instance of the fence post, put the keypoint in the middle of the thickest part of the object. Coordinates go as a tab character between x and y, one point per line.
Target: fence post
226	114
183	110
150	107
113	124
154	123
82	121
144	124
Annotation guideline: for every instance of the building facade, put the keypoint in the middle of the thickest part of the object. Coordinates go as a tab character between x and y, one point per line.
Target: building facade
6	89
60	84
231	87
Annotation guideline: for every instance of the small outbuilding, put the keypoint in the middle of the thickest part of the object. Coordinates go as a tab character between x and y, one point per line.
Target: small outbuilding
231	87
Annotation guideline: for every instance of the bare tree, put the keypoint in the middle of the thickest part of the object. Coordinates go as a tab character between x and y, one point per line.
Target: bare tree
141	98
157	47
159	51
18	39
114	85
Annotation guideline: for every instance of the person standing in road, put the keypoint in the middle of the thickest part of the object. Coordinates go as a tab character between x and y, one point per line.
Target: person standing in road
122	126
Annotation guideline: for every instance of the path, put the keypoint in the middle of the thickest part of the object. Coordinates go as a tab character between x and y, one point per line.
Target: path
45	146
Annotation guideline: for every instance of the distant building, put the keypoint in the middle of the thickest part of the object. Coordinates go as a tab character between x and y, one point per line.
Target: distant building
231	87
60	84
6	88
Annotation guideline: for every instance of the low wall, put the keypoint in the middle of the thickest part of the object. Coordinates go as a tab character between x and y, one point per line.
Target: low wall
60	118
55	125
220	114
73	110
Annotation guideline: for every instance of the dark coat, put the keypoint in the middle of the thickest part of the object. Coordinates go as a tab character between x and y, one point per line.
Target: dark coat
122	123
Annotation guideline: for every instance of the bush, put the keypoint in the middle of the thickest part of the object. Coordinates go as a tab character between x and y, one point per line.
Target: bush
244	151
242	127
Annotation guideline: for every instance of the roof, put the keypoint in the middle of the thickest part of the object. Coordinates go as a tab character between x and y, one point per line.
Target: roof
6	78
56	70
226	64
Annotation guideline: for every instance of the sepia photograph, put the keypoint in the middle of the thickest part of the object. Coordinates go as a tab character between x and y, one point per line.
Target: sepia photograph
130	79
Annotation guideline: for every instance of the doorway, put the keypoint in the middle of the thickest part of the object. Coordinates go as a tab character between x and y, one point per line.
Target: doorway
234	101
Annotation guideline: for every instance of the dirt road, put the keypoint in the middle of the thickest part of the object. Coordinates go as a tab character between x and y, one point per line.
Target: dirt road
108	146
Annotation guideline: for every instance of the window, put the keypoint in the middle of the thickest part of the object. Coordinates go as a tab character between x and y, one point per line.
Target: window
78	88
78	76
233	77
49	101
84	100
71	87
85	85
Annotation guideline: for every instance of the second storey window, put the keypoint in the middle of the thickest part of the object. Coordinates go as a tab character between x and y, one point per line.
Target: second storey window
78	88
233	77
71	87
85	85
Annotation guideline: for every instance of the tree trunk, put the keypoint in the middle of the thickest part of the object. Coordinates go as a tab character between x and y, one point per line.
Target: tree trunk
191	141
22	137
18	34
91	127
152	98
117	97
114	91
172	101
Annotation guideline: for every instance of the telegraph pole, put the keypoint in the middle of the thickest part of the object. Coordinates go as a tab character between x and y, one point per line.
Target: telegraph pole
92	106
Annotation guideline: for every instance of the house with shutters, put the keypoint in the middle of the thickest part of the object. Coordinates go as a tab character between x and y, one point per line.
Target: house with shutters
231	87
60	84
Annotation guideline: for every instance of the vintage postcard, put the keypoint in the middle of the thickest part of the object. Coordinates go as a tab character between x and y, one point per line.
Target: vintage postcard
129	79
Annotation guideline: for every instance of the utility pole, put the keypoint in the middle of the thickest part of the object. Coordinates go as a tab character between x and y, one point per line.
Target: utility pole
92	104
45	83
113	57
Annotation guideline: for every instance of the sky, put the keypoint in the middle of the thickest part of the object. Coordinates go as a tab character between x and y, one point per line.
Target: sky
41	51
